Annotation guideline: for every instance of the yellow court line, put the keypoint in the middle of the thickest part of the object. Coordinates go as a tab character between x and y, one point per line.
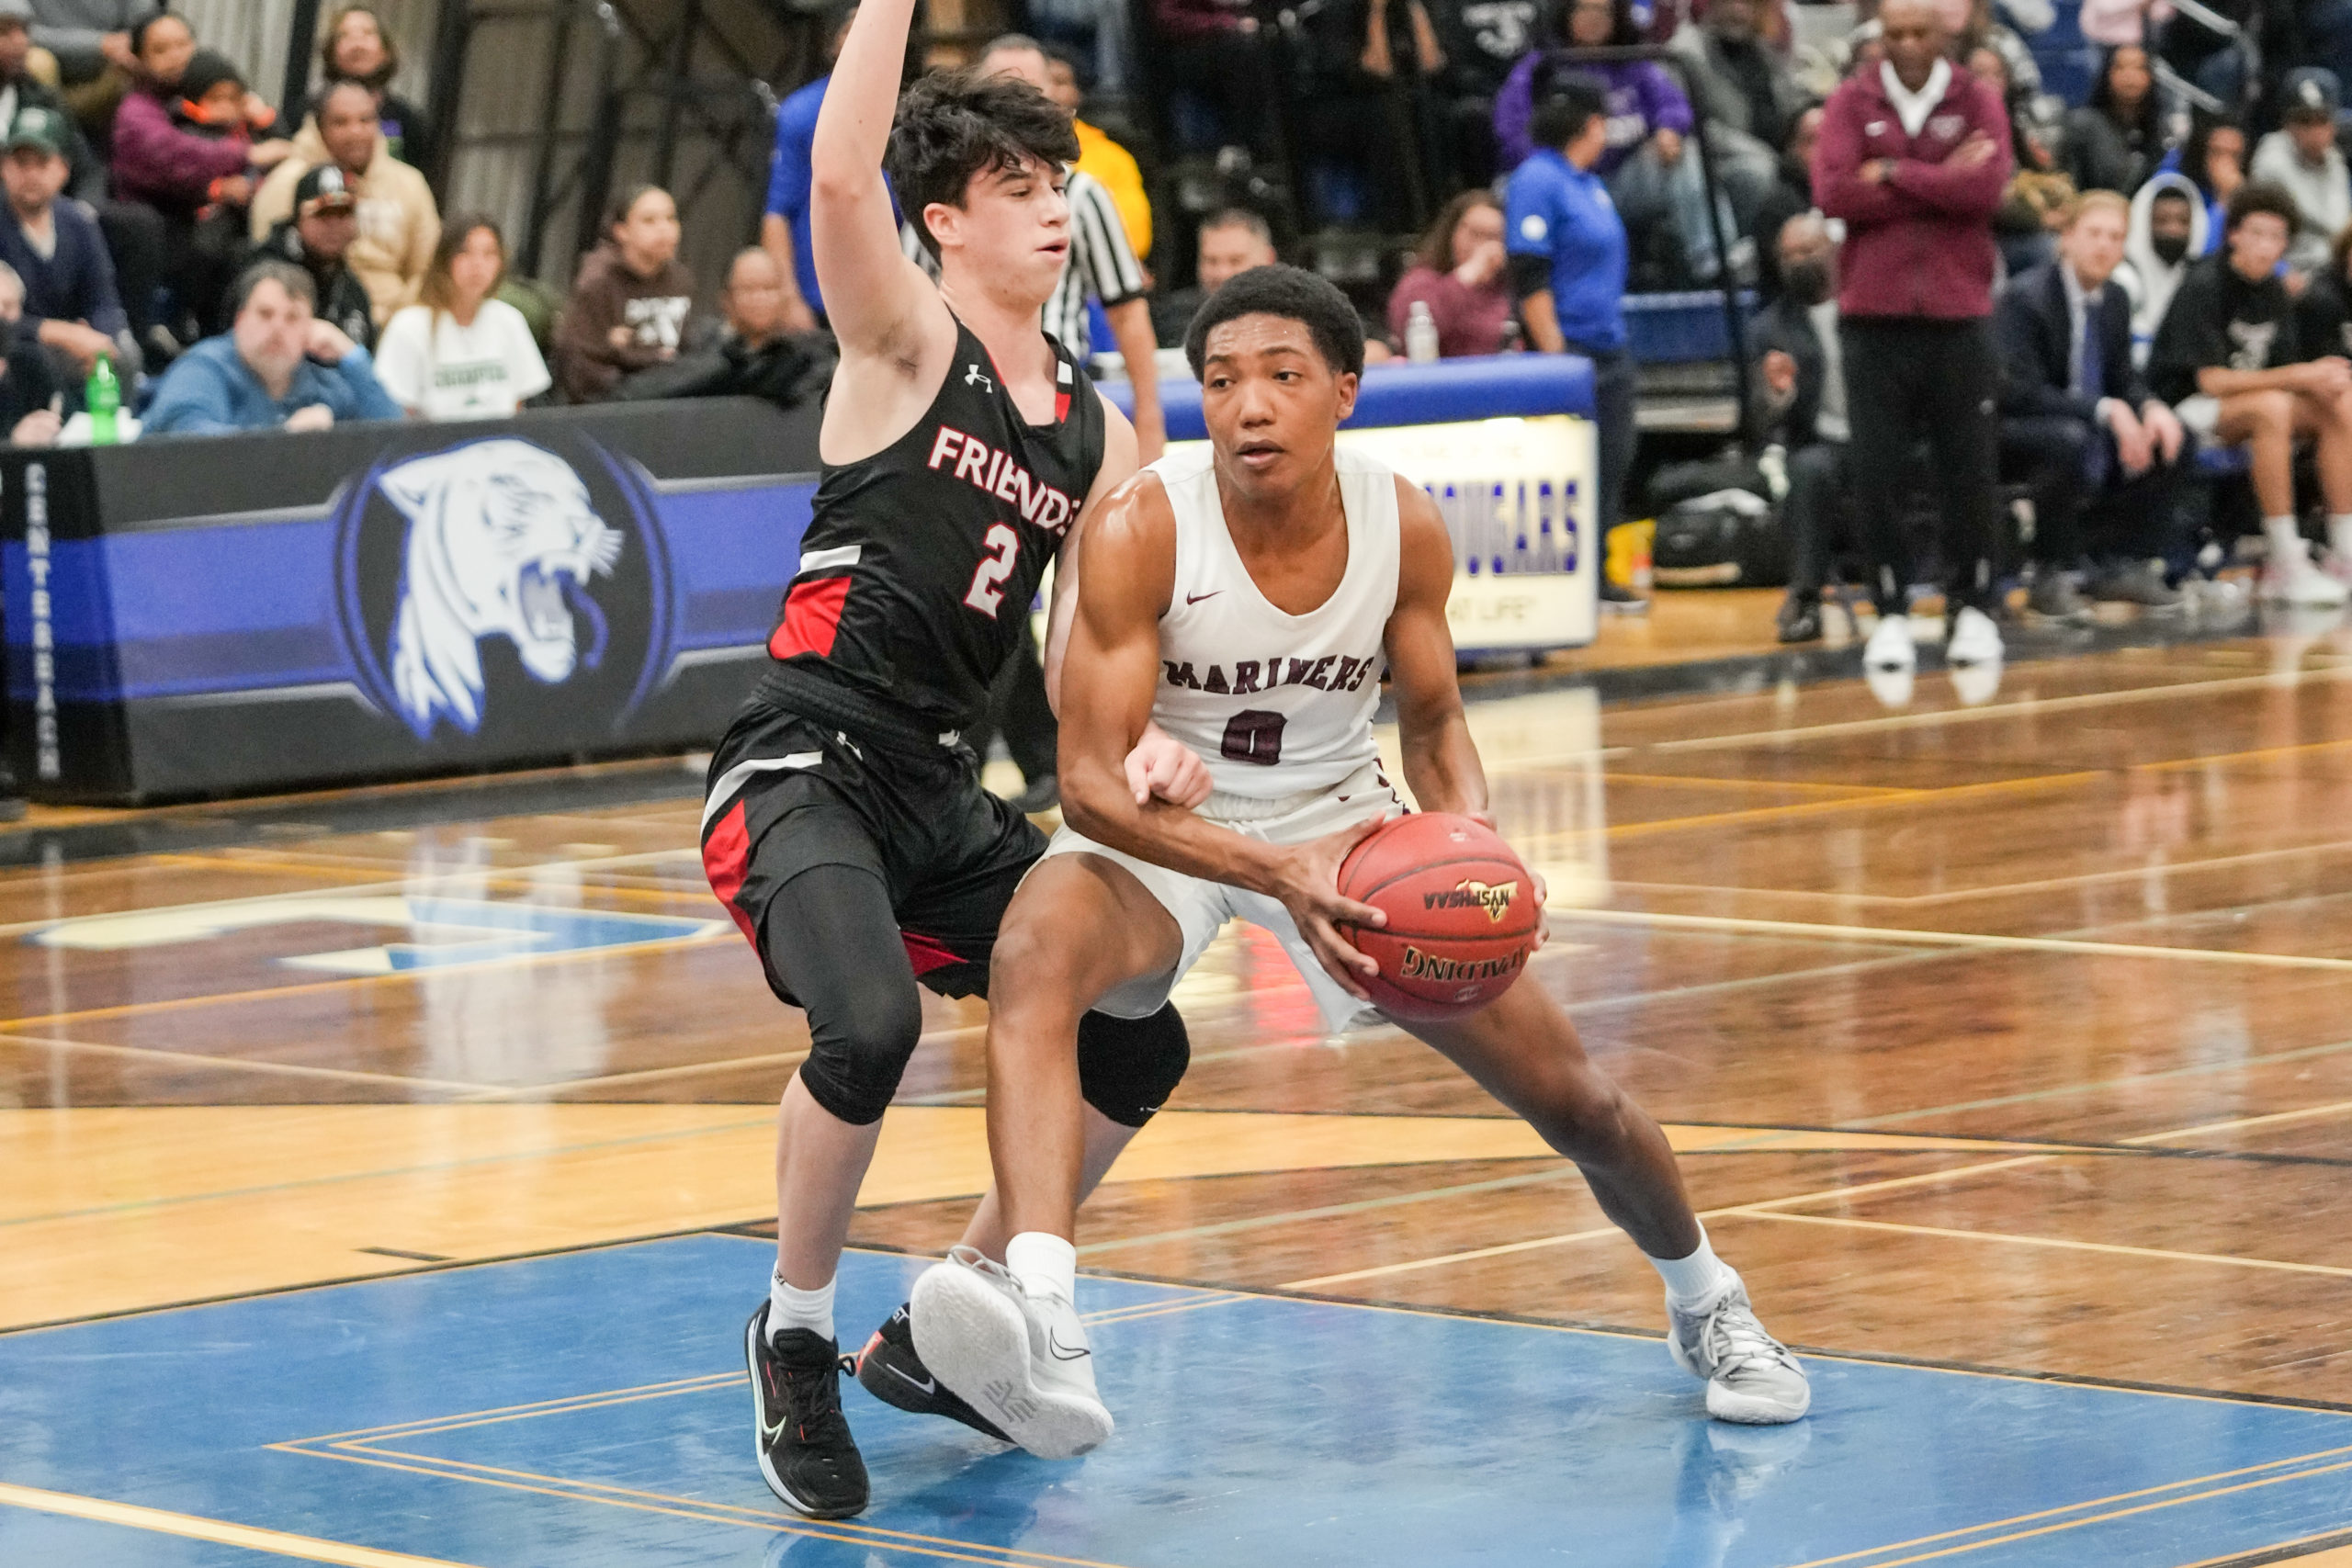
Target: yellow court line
852	1529
1851	792
495	1418
242	1064
2061	1243
1167	1309
2030	707
2109	1518
703	1513
2239	1124
486	877
2239	756
2076	1507
400	1429
1975	939
221	1532
2337	1557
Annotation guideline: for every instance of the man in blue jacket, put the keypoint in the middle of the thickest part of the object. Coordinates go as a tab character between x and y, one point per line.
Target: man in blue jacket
783	227
71	302
277	366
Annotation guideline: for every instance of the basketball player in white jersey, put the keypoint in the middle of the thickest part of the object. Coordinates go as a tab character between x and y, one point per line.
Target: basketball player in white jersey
1245	601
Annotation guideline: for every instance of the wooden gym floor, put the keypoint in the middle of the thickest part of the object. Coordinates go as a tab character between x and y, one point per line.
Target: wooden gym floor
2008	1039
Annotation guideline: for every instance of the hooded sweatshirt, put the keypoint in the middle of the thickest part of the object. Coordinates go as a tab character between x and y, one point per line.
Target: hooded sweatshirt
605	294
2145	275
399	224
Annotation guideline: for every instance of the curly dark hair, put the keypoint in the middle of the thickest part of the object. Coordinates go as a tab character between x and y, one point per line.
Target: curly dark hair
1306	297
2260	196
953	125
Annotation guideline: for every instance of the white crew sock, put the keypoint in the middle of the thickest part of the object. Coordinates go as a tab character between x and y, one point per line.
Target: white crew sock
1696	1279
2286	542
1043	1263
2339	534
790	1307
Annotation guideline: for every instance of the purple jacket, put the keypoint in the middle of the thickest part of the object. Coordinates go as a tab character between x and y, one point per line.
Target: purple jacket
157	163
1642	98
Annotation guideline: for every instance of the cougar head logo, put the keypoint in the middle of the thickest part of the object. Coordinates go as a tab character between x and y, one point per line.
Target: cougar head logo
501	542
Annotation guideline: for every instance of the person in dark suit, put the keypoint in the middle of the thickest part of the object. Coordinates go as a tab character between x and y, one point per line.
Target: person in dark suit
1798	365
2100	454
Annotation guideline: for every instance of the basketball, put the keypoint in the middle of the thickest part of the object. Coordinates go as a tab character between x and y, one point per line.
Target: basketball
1461	914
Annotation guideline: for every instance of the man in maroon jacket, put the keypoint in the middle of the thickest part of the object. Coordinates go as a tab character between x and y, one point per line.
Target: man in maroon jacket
1914	156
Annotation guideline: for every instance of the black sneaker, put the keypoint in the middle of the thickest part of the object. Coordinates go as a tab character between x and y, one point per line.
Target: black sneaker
804	1448
1616	601
1799	617
889	1369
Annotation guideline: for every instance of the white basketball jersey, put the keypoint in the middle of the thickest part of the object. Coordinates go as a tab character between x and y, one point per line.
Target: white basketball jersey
1277	704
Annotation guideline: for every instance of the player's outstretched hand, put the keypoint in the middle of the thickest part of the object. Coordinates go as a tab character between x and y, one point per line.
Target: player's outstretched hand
1163	766
1308	885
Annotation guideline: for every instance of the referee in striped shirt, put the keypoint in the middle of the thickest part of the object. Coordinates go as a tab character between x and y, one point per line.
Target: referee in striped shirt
1102	265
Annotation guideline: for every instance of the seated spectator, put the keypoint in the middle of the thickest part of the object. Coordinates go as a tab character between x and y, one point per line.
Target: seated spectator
1799	370
21	88
2024	226
1790	196
277	366
1357	64
629	302
1209	50
399	223
1660	192
179	171
2213	158
90	41
784	225
1458	274
32	403
461	351
2113	141
1483	42
2168	233
2323	310
65	279
2101	454
317	238
1747	90
1230	243
1983	29
1108	164
2303	158
2228	361
356	48
758	357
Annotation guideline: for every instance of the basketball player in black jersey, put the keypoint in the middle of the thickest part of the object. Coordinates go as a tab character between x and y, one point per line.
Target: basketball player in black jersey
844	827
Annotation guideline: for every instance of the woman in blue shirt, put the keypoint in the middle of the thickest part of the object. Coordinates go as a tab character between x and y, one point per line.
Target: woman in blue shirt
1568	267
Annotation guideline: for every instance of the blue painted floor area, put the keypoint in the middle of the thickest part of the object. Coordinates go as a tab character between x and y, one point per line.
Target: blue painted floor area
590	1409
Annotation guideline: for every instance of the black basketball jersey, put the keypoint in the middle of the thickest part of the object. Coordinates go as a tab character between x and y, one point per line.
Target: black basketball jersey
921	561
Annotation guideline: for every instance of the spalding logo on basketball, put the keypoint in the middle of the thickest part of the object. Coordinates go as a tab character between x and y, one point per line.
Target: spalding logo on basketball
1462	915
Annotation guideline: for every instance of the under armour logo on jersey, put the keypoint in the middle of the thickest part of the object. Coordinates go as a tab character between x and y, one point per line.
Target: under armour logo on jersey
972	378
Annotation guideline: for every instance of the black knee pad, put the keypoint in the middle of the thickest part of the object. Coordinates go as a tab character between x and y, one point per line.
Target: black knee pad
1128	1066
854	1064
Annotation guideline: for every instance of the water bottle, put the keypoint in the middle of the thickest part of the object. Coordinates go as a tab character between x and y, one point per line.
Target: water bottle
102	398
1420	333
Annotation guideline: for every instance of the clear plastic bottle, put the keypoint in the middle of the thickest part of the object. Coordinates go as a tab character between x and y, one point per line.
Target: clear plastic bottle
1420	333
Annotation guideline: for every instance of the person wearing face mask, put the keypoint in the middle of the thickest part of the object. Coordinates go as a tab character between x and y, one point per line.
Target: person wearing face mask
2168	231
1798	365
2100	454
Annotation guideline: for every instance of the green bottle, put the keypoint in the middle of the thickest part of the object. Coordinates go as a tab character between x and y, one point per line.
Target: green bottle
104	398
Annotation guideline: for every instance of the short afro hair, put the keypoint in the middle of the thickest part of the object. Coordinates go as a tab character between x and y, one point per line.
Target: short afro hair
2261	195
1307	298
953	125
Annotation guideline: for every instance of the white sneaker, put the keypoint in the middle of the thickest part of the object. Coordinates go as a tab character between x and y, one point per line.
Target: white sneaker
1751	1377
1891	647
2298	581
1975	640
1021	1359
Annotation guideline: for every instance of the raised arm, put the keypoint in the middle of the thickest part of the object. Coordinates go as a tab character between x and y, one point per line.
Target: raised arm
1441	763
880	304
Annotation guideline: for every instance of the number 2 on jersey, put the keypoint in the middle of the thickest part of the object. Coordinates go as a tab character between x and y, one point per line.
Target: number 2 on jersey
988	583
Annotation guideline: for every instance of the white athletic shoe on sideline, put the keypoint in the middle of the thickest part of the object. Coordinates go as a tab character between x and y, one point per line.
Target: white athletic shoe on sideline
1975	640
1891	647
1751	1377
1019	1360
2300	583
